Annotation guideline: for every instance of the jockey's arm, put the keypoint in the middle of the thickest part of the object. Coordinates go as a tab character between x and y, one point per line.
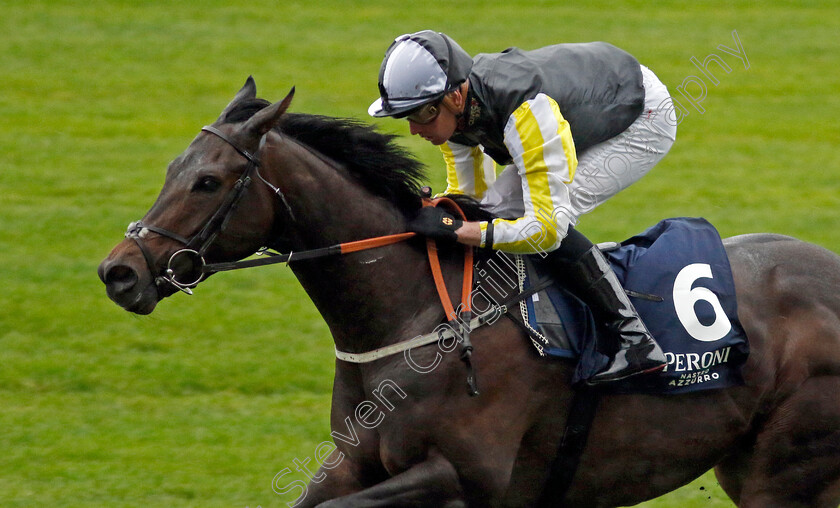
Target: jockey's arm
468	170
470	234
540	142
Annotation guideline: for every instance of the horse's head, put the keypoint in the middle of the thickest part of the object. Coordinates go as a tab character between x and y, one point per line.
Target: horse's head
213	206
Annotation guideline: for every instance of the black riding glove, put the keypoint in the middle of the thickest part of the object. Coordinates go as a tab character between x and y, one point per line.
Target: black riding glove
433	222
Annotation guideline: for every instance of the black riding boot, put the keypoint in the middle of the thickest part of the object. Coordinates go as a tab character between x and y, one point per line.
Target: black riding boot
597	285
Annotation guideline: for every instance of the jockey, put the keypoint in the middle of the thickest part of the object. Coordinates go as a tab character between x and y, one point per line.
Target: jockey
572	124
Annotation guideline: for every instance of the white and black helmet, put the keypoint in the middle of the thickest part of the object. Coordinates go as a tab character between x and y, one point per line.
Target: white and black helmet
419	68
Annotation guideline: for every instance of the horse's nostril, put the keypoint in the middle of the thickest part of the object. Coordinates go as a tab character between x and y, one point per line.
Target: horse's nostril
120	277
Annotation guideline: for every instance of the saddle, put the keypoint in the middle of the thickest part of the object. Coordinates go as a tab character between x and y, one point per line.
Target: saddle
678	276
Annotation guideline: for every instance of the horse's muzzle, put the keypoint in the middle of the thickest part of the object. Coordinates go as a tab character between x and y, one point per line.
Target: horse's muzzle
132	288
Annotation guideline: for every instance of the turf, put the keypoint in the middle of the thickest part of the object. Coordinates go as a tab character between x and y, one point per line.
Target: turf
205	401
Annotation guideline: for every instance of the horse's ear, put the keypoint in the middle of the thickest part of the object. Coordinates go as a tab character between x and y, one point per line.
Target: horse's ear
248	91
265	119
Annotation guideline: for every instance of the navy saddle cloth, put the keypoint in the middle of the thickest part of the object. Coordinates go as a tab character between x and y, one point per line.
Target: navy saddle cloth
680	281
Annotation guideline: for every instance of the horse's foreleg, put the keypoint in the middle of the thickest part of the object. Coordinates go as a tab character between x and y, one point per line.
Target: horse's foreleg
432	483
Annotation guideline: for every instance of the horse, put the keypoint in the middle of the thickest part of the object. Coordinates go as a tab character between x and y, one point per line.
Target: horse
262	177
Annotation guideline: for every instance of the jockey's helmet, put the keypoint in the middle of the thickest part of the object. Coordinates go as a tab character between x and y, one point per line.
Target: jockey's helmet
419	68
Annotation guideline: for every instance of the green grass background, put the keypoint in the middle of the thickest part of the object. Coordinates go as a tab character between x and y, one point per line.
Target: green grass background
206	400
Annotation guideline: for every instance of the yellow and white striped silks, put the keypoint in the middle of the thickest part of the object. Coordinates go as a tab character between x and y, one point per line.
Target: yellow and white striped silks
468	171
539	140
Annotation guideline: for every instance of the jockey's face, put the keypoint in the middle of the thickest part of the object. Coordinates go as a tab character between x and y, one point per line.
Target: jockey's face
438	129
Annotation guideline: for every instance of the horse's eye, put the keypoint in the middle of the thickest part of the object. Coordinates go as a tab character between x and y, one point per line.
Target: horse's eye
207	184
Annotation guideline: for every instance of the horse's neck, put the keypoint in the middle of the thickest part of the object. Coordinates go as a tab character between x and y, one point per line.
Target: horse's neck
370	298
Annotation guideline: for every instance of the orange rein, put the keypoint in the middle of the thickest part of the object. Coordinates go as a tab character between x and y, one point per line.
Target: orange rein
431	247
437	273
371	243
466	290
465	307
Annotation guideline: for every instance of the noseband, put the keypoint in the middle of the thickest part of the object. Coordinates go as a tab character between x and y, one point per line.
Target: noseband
195	247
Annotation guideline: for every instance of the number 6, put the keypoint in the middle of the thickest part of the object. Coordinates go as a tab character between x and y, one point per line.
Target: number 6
685	298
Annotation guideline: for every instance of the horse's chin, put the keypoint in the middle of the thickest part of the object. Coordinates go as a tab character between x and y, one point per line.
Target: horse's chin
142	310
141	302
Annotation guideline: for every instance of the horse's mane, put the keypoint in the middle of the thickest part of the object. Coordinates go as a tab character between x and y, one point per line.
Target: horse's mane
374	159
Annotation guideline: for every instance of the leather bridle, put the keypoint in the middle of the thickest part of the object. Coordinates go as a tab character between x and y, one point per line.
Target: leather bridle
196	246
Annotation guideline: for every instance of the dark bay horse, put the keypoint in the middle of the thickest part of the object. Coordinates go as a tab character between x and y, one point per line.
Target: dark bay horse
411	438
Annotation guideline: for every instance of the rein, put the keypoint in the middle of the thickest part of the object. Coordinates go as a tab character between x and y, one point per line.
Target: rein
465	316
337	249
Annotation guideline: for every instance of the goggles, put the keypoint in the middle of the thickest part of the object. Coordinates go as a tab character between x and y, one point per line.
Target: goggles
425	114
